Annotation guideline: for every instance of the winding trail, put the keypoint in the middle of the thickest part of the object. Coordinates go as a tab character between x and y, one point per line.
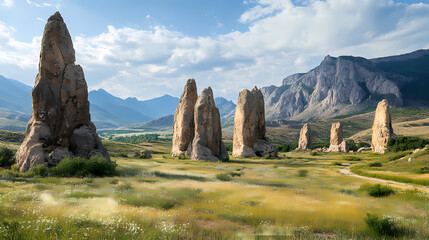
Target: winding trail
346	171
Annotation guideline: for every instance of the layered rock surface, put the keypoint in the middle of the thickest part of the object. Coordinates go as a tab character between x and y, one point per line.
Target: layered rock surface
207	144
304	137
338	144
60	125
184	126
382	129
249	126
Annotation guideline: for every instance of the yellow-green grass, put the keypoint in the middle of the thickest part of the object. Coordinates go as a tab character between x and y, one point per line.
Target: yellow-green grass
417	128
170	198
405	167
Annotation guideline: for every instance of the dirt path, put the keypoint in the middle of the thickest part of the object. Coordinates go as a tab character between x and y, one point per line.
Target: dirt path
347	172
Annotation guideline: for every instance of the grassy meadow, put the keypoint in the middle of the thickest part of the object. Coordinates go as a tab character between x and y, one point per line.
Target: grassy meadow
301	195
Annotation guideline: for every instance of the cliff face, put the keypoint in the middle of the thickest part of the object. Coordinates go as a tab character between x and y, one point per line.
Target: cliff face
338	86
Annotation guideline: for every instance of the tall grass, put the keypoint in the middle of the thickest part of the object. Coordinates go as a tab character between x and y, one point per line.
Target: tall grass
357	170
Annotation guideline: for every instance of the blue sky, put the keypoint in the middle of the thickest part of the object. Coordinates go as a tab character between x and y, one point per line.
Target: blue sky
148	48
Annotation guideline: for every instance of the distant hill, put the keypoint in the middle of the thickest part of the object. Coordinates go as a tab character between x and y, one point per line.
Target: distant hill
163	123
15	96
107	111
225	106
347	85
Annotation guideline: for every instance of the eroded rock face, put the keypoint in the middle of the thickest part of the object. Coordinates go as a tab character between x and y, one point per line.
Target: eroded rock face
304	137
60	125
382	129
338	144
249	126
207	144
184	127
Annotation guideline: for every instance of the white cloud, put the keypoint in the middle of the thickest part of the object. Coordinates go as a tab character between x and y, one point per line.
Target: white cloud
7	3
283	38
41	4
24	55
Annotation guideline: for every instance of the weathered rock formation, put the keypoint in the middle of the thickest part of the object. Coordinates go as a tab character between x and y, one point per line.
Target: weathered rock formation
60	125
338	144
249	126
207	144
382	129
184	126
304	137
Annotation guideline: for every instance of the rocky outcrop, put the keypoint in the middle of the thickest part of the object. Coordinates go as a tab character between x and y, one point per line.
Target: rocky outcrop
382	129
338	144
60	125
249	126
207	144
184	126
304	138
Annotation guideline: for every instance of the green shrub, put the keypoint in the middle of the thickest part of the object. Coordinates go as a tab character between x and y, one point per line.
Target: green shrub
6	157
314	154
375	164
352	158
320	144
423	170
396	156
236	174
347	191
406	143
383	226
287	147
302	173
225	177
82	167
336	164
377	190
228	146
352	145
40	171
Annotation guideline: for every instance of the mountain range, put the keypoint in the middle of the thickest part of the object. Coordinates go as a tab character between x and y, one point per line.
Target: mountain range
347	85
107	110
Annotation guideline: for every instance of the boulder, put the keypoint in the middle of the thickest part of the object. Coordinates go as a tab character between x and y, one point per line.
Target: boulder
249	126
60	125
304	138
382	129
207	144
183	126
136	154
146	154
338	144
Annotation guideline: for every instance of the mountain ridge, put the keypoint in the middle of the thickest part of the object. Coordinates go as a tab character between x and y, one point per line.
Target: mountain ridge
345	84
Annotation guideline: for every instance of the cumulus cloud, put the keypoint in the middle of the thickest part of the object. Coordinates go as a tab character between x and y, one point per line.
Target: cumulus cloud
7	3
283	38
24	55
